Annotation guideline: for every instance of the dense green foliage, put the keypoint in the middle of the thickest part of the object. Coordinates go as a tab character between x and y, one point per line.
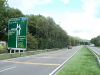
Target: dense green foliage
96	41
47	32
2	49
5	14
43	32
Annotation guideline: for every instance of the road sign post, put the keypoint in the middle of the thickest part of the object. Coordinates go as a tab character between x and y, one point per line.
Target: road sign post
17	34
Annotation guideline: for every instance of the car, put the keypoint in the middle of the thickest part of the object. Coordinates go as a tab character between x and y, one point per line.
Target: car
69	47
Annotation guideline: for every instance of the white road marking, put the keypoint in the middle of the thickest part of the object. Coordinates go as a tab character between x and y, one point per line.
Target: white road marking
9	68
55	70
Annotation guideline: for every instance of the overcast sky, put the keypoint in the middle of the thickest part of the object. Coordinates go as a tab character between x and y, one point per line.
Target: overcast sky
77	17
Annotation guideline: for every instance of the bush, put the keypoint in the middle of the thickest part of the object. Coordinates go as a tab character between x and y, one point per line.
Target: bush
32	42
3	49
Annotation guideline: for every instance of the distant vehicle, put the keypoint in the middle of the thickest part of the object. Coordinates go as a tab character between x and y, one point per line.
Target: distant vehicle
69	47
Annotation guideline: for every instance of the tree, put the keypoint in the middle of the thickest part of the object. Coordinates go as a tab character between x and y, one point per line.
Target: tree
96	41
5	14
2	12
31	42
48	33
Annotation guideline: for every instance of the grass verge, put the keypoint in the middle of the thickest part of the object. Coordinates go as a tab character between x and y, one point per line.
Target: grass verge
27	53
83	63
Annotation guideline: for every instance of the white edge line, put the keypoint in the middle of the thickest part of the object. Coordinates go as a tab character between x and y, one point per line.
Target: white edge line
7	68
55	70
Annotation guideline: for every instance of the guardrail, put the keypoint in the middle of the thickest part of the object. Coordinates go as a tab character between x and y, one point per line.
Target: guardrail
96	55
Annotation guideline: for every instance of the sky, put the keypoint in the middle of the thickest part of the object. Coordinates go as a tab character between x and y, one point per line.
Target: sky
79	18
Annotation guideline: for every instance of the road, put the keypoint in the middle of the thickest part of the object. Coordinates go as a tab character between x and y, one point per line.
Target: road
95	49
40	64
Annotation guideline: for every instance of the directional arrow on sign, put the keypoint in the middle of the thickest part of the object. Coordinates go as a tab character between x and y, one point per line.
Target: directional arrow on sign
18	29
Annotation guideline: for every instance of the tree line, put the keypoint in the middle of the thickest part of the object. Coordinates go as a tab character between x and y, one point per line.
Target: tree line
96	41
43	32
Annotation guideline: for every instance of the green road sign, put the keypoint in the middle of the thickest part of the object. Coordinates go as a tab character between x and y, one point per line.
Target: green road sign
17	33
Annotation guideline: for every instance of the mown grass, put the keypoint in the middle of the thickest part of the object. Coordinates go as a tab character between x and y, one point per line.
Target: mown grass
83	63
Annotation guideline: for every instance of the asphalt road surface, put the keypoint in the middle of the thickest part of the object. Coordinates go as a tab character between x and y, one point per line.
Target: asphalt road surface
40	64
95	49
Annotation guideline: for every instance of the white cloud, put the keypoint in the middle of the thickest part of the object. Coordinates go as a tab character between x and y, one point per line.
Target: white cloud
27	6
83	24
65	1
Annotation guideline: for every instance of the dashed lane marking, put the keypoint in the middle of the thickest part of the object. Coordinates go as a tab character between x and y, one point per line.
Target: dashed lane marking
9	68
